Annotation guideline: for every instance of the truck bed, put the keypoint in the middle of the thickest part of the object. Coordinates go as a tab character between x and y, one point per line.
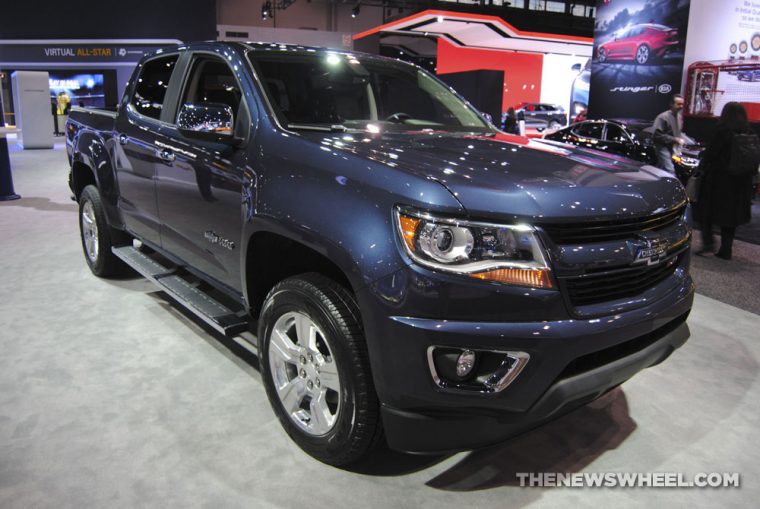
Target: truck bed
93	118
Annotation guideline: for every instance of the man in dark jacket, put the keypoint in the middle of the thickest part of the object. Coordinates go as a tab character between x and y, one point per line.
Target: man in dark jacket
667	134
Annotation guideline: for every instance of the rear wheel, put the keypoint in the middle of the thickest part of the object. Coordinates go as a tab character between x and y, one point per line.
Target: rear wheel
316	371
97	236
554	125
643	54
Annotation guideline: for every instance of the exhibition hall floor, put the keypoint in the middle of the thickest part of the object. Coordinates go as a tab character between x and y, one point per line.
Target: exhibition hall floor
110	396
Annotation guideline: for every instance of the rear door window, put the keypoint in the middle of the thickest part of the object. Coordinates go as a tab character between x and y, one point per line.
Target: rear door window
152	84
616	134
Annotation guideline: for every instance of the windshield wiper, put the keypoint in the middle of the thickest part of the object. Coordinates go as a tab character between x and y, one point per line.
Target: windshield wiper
334	128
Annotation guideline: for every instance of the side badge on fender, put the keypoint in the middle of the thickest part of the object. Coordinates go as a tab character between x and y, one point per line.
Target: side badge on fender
213	238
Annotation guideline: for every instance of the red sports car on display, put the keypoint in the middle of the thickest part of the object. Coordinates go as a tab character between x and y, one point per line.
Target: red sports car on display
640	43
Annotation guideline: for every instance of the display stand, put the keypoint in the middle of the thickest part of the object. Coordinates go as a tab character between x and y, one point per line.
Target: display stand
6	178
31	105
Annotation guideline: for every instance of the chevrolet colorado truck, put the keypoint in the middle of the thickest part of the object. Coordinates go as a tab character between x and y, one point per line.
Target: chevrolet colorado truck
411	273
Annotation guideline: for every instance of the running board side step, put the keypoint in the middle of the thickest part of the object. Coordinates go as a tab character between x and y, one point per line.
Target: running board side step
215	314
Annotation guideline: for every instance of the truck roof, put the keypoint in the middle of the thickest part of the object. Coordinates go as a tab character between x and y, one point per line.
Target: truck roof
260	46
275	46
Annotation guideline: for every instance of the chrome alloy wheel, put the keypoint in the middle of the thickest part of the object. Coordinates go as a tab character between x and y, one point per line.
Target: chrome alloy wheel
304	373
90	231
642	55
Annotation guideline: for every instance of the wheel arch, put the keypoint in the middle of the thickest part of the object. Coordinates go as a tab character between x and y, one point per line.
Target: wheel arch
91	164
273	254
81	176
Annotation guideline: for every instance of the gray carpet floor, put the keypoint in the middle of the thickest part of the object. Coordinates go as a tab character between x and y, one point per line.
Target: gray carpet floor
751	232
112	397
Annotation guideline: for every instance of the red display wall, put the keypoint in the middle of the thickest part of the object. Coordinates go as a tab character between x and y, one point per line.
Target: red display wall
522	71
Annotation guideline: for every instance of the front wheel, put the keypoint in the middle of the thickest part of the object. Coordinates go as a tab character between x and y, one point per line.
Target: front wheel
602	55
97	235
315	369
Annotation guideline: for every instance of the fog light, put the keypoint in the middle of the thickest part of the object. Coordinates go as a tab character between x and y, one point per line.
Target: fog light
465	363
477	371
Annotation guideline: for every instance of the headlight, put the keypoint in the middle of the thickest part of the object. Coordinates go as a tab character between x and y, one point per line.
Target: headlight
494	252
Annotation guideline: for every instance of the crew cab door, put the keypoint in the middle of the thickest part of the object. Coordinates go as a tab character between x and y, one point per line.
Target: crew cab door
204	188
136	151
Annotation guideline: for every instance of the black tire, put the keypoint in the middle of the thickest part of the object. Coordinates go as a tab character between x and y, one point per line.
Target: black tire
602	55
357	427
102	261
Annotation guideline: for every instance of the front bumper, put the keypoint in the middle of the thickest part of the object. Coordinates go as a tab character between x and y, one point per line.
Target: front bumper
440	432
572	361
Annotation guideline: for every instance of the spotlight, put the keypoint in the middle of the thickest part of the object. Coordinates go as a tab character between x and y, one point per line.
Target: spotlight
266	10
355	10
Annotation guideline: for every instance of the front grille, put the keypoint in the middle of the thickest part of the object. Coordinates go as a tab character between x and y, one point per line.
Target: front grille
600	231
618	284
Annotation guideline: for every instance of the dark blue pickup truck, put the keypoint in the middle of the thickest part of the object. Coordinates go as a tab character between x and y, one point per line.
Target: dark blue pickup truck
412	274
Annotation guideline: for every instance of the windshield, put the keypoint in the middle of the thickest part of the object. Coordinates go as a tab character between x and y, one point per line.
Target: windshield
353	92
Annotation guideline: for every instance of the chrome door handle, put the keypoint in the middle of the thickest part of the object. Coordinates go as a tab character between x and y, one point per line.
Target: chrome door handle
123	139
166	155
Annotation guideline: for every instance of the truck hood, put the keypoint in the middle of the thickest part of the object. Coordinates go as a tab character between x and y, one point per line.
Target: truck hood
511	176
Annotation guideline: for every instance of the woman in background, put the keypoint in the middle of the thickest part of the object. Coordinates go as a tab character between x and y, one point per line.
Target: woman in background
509	124
725	199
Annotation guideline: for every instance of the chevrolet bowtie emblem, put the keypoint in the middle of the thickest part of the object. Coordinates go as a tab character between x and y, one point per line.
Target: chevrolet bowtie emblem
651	250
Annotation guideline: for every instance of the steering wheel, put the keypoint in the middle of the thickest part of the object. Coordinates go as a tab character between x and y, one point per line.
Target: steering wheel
398	118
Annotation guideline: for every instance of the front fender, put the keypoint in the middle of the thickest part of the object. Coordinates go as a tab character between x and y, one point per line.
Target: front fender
309	238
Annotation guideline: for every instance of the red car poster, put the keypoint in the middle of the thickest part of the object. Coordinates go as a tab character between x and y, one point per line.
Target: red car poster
638	57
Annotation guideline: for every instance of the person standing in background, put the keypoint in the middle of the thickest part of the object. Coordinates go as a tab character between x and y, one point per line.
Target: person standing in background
667	134
54	111
509	122
64	103
729	163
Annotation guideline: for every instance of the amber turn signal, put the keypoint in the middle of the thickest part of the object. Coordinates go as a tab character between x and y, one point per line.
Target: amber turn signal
409	229
536	278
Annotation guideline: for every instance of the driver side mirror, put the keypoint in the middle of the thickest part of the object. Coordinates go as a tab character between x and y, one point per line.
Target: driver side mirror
487	116
576	67
207	122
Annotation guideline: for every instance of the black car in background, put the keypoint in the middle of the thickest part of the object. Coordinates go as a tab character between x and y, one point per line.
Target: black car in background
540	115
629	138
